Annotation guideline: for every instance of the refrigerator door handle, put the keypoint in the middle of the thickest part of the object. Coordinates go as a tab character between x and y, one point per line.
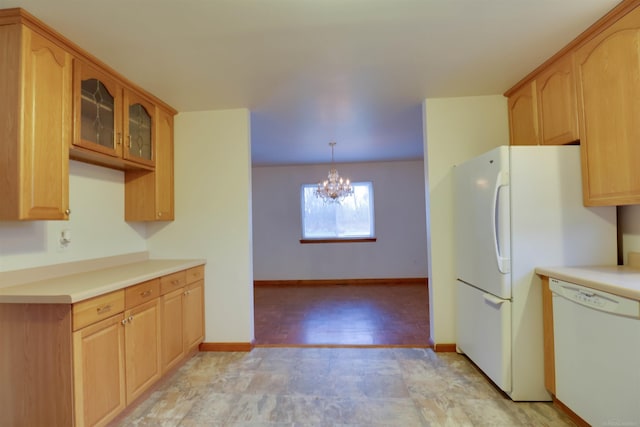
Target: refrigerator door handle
502	180
493	299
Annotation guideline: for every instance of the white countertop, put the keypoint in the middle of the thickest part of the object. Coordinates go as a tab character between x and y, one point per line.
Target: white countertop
618	279
77	287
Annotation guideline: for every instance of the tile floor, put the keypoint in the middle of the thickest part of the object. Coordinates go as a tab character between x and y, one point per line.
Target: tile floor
334	387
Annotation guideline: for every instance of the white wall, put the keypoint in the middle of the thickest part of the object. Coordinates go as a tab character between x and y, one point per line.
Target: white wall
456	129
629	229
400	225
98	229
213	216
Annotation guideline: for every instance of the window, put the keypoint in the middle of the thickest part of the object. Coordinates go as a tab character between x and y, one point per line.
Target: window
352	219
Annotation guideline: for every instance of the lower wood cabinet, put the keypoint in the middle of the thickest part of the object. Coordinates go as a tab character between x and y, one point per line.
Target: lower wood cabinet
172	329
99	371
182	318
82	364
193	302
142	347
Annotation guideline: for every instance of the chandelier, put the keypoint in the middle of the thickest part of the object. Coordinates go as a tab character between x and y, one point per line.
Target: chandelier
334	189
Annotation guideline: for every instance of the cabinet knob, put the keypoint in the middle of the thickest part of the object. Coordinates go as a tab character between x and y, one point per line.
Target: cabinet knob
130	319
123	322
159	214
67	211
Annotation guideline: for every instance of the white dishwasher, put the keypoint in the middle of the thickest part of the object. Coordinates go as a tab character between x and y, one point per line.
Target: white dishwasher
597	354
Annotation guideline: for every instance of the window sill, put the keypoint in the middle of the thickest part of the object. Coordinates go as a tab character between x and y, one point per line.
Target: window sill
364	239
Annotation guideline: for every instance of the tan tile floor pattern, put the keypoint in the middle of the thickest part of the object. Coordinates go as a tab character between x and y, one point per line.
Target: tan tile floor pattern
345	387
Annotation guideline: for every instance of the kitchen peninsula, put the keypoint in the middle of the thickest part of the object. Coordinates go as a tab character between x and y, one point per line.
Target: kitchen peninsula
81	347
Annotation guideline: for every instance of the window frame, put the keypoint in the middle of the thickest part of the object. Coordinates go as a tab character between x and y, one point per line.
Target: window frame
336	239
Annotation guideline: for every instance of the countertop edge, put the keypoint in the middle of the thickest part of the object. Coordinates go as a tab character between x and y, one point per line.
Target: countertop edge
623	281
65	289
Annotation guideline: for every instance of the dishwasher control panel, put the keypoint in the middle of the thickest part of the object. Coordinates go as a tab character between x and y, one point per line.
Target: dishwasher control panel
598	300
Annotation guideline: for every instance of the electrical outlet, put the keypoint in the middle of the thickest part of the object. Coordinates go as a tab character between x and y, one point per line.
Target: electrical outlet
64	239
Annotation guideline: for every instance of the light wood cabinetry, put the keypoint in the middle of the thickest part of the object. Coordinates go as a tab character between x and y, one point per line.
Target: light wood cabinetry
35	123
59	102
183	315
139	128
543	110
193	315
97	110
114	125
99	371
36	365
142	347
594	81
523	116
172	329
81	364
608	83
549	347
149	195
556	102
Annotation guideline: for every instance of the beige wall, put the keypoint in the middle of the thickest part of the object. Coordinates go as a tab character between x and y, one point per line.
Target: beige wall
399	251
98	229
213	216
455	129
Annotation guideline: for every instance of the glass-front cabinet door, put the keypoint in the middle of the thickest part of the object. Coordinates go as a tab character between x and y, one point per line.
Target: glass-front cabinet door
97	109
139	139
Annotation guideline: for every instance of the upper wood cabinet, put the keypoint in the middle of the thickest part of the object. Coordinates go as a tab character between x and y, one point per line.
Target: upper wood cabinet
97	110
556	102
35	124
523	116
59	102
607	70
139	128
149	195
543	110
111	121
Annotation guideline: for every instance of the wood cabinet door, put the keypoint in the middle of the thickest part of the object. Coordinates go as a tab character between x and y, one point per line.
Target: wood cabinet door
607	70
142	347
46	129
139	129
523	116
97	104
557	105
99	372
172	329
193	315
149	195
164	190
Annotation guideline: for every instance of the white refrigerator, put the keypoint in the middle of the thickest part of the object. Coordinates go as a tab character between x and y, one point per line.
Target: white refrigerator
517	208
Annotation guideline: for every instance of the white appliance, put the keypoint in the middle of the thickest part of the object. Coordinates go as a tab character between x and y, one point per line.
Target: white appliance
597	353
517	208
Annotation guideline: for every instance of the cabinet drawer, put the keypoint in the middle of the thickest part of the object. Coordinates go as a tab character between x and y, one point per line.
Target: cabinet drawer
143	292
98	308
173	281
194	274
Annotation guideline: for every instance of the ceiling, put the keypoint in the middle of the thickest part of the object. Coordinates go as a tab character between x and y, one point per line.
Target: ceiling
315	71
